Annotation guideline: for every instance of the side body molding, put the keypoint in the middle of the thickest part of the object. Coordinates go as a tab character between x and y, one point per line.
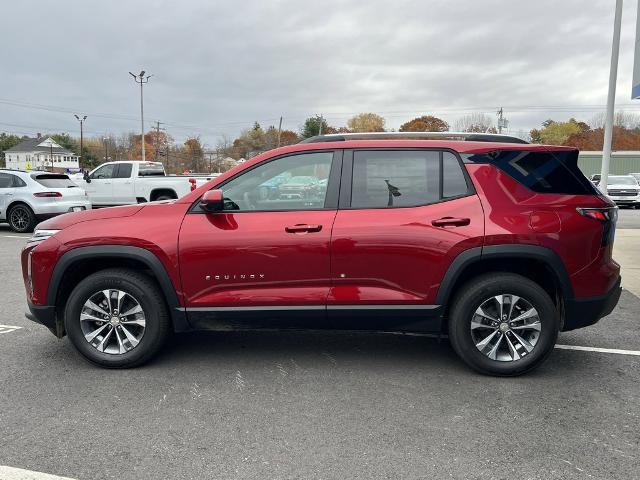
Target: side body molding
67	260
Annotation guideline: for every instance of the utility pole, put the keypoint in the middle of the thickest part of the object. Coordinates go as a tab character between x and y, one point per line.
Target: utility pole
141	79
280	128
106	148
81	120
51	154
611	99
502	122
320	126
158	129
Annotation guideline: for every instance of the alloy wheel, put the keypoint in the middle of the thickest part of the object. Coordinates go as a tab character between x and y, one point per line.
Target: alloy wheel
19	218
506	327
112	321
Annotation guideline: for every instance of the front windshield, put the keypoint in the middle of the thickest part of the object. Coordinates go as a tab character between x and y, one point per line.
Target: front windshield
623	180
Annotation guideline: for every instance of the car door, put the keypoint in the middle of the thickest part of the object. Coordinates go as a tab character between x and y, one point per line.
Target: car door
263	260
6	193
100	188
404	215
123	191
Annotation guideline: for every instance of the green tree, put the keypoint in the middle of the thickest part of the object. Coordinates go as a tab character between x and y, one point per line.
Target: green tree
8	140
557	133
366	122
311	126
426	123
65	141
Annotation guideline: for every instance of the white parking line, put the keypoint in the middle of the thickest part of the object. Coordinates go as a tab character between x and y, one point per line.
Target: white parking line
8	328
10	473
599	350
13	236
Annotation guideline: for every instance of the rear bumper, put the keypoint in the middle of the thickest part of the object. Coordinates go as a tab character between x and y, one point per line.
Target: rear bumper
582	312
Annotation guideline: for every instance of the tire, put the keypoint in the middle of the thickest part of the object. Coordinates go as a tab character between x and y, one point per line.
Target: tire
129	344
163	197
21	218
511	358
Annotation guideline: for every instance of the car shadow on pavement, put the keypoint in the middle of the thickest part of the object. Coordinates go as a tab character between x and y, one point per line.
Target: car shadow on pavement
329	350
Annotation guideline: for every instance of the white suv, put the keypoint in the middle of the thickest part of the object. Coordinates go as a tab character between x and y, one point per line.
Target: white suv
27	197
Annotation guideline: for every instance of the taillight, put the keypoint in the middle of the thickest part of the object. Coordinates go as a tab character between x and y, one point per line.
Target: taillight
606	216
47	194
609	214
192	181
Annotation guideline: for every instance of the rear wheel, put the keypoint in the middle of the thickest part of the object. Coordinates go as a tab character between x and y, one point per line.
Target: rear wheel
21	218
503	324
117	318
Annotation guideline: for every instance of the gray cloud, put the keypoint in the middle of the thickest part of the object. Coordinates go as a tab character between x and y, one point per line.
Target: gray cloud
218	66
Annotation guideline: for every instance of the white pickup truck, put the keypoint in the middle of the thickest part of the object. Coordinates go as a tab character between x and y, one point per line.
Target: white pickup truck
128	182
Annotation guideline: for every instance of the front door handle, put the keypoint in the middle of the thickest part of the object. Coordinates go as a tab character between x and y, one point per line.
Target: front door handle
302	228
450	222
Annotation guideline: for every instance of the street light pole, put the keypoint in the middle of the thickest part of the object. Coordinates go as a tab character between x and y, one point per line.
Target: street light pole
611	100
81	120
141	79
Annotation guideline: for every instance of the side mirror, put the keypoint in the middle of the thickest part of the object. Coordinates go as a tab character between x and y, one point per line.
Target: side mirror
85	176
212	201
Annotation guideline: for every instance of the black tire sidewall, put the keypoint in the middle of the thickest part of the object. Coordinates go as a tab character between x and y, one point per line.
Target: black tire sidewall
152	306
474	295
31	215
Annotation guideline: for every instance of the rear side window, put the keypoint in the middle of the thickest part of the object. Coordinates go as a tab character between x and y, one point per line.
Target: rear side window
542	172
405	178
6	181
54	181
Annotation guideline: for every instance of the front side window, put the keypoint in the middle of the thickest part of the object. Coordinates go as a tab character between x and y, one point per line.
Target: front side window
103	172
296	182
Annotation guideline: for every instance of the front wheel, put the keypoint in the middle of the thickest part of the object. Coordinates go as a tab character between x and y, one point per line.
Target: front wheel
503	324
117	318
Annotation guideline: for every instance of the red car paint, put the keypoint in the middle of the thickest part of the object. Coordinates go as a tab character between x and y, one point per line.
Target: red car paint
351	257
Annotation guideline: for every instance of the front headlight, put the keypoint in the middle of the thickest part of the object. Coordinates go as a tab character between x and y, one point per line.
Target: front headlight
40	235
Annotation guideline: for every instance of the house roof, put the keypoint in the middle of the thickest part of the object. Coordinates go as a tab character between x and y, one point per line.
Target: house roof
31	145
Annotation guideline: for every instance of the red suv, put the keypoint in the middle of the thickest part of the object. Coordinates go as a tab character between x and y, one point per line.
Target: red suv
497	243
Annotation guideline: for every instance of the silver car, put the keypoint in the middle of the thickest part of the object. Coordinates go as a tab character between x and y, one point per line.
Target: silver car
29	197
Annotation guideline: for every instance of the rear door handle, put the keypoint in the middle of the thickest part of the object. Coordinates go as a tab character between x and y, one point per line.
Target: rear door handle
450	222
302	228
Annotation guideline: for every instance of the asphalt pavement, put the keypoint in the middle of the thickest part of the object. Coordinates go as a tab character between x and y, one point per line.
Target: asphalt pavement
315	405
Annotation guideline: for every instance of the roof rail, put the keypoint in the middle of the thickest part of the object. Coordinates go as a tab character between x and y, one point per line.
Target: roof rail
466	136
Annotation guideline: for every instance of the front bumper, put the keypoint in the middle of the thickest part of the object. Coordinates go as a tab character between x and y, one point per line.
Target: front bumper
635	200
582	312
45	315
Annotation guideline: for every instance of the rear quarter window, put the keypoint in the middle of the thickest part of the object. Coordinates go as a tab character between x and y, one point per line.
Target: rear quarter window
542	172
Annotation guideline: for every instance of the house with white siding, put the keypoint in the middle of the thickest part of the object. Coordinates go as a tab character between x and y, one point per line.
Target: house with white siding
40	153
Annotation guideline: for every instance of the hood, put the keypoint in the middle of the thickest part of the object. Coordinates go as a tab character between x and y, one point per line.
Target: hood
68	219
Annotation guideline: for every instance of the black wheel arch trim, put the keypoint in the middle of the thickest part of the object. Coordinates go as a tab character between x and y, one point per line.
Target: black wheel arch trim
476	254
160	273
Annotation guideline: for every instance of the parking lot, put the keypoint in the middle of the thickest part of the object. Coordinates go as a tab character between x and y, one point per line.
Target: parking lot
321	405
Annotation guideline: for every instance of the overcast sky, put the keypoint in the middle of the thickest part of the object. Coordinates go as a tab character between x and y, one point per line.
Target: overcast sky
220	65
